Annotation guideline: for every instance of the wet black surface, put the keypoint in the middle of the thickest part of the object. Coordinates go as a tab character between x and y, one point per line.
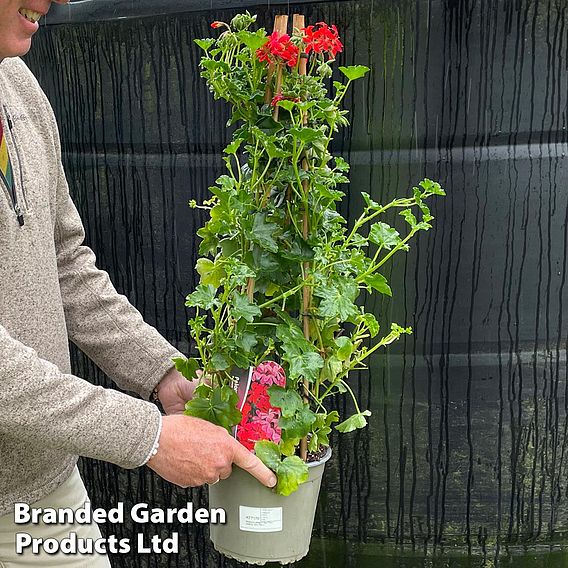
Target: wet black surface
466	450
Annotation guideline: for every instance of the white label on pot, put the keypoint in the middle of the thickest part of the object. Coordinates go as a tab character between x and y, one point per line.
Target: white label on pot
260	519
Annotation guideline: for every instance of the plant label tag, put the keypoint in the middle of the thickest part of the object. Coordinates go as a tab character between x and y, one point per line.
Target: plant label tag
260	519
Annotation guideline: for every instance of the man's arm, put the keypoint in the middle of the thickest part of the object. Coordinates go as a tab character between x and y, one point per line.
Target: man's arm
100	321
40	404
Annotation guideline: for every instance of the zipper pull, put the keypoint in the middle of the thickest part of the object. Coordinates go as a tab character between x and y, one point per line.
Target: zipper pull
19	214
8	119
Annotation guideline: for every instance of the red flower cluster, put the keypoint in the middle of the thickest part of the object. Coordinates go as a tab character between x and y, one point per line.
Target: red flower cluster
215	25
279	98
260	420
322	39
279	48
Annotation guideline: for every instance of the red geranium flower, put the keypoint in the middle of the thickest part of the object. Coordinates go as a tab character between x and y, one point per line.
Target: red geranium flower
279	47
276	100
215	25
322	39
260	419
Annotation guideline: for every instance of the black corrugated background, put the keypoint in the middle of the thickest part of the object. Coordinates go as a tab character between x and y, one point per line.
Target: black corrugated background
466	450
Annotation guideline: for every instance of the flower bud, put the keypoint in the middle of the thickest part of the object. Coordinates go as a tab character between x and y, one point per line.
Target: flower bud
242	21
325	70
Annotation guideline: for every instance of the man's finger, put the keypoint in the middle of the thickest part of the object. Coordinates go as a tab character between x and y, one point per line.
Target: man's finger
249	462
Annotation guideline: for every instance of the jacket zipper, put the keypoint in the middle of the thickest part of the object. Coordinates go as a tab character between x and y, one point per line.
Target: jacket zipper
17	208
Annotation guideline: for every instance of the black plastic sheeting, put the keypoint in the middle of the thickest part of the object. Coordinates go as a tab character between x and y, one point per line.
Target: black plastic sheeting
466	453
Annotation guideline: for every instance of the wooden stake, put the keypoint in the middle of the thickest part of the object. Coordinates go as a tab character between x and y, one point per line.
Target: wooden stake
280	26
299	23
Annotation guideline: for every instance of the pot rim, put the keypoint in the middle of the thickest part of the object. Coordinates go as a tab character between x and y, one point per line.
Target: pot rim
325	458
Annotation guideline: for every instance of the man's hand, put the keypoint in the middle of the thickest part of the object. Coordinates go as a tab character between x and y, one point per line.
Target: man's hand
174	390
193	452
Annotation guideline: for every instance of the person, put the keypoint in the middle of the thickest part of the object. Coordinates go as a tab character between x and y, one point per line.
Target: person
51	292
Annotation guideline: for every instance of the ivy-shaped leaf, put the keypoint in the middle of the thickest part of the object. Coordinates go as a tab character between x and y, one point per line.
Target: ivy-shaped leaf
242	308
220	362
263	233
384	235
187	367
205	44
372	324
344	347
210	272
306	365
354	422
234	146
307	135
377	282
337	300
220	408
253	40
354	72
268	453
203	297
287	400
292	472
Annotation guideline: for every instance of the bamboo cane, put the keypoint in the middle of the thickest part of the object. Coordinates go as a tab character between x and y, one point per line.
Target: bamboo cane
299	23
280	26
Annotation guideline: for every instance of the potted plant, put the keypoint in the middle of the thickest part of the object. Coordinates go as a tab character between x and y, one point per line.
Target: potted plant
281	276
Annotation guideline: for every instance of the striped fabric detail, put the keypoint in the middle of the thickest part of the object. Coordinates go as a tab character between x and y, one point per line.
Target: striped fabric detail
5	165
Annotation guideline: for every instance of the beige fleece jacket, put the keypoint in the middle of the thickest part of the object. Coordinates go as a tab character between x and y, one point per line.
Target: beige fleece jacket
50	292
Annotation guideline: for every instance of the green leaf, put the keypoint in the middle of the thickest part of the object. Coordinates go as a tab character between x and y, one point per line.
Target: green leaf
293	338
274	151
296	418
288	400
288	446
371	204
372	324
202	390
354	72
234	146
242	308
345	347
220	362
210	272
240	271
378	282
338	300
409	217
246	341
430	186
300	251
299	425
332	417
267	125
268	453
203	297
263	233
384	235
205	44
286	104
292	472
354	422
252	40
332	367
341	164
187	367
306	365
219	409
306	135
